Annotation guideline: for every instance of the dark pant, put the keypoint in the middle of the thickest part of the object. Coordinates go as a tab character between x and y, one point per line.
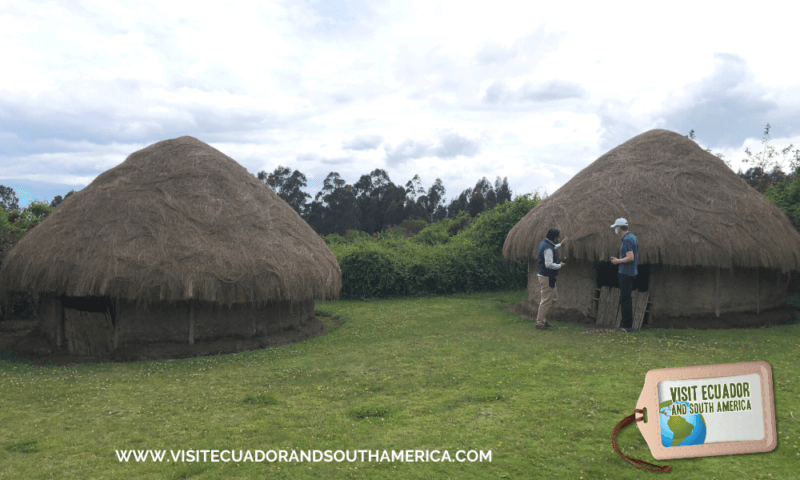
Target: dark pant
625	300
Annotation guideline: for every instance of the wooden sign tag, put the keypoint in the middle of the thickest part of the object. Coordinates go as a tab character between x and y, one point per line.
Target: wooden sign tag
708	410
702	411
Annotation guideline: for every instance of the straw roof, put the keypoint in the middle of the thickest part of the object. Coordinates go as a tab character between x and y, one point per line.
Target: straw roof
684	205
177	220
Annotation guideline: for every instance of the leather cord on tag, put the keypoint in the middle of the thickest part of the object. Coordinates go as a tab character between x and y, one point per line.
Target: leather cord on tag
624	423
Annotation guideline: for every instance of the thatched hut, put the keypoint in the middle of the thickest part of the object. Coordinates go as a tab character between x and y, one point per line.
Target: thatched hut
708	242
179	243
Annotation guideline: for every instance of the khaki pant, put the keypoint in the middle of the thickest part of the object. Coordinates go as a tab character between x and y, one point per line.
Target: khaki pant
549	296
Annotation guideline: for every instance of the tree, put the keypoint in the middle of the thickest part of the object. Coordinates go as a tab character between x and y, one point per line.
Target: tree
335	208
411	190
363	190
761	180
8	199
432	202
342	213
477	201
58	199
502	191
764	159
380	201
459	203
288	187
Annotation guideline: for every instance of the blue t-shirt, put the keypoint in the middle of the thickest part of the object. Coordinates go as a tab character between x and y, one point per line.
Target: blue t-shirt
629	244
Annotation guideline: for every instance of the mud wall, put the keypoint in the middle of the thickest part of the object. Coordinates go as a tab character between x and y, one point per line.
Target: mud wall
162	323
50	315
171	323
576	287
693	291
675	291
159	322
213	322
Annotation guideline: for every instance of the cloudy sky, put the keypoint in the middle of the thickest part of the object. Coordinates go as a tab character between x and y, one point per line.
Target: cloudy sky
532	91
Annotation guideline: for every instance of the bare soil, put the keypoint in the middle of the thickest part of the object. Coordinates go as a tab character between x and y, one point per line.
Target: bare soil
20	338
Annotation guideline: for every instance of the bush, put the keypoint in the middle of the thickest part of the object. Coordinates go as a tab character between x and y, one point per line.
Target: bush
433	262
786	195
461	222
355	236
490	228
411	227
350	237
367	271
435	233
334	239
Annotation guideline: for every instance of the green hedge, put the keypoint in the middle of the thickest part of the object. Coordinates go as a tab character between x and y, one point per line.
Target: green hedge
452	255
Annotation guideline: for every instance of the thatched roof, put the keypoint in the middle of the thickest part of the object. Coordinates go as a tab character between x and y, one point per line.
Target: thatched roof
177	220
684	205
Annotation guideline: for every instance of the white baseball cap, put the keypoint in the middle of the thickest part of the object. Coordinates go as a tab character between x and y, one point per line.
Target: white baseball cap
621	222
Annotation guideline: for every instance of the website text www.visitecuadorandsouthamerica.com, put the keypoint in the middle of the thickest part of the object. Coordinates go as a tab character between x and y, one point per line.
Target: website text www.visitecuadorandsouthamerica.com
299	456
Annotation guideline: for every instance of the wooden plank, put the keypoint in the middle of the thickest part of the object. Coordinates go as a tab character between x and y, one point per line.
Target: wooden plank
616	316
88	333
640	300
608	310
602	305
609	313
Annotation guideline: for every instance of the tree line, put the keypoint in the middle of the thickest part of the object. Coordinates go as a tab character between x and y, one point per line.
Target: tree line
375	202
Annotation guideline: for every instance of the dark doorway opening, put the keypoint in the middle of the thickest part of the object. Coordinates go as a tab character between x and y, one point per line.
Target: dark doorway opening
606	276
89	304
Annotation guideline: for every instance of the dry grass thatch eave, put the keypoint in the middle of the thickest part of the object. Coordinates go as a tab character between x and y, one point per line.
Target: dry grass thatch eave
177	220
685	206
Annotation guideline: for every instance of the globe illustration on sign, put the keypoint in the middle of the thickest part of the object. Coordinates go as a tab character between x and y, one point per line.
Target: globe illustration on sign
678	427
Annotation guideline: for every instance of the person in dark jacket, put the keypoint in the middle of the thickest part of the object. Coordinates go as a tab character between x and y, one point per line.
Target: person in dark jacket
628	269
549	266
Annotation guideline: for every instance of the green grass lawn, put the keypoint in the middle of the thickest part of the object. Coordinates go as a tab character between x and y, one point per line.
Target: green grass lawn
434	373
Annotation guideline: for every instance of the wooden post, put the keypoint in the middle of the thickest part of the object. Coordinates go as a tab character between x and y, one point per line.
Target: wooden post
191	322
716	295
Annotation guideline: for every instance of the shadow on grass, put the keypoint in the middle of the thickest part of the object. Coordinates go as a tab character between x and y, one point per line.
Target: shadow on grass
24	447
264	399
367	411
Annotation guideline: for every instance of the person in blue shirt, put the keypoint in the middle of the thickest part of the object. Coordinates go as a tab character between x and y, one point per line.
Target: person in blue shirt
628	269
547	258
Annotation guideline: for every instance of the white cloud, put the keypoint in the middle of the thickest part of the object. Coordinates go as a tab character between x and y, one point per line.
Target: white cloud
438	89
363	142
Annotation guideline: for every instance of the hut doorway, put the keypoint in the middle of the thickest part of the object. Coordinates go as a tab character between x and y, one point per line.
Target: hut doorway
607	276
607	293
88	325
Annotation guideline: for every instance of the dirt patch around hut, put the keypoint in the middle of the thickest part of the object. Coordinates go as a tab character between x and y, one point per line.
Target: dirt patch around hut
19	337
779	316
